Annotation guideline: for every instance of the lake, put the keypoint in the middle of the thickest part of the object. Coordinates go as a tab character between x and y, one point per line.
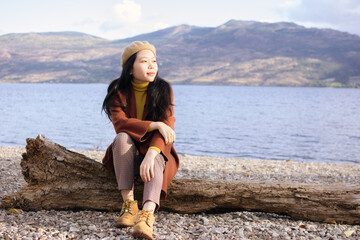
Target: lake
280	123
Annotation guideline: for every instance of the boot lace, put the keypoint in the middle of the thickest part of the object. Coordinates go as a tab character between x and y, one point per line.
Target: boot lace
126	207
144	215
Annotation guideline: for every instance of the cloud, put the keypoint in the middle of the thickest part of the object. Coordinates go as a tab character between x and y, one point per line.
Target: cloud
124	20
160	25
339	14
109	26
85	22
128	11
289	3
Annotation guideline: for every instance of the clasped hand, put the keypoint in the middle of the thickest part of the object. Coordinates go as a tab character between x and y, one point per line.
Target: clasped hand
167	132
147	165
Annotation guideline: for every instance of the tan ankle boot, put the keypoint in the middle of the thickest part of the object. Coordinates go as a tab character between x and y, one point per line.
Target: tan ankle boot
144	225
128	214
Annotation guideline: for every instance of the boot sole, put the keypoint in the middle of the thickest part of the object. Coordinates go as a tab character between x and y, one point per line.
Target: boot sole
142	234
122	225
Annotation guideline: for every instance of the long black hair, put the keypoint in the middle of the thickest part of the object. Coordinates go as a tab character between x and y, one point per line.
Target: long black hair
158	94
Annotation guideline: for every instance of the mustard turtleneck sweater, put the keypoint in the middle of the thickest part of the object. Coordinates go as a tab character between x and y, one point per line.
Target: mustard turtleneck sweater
140	98
140	90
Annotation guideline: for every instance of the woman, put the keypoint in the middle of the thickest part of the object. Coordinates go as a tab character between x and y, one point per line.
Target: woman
140	106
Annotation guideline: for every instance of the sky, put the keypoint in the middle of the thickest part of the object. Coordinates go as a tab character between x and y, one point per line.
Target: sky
118	19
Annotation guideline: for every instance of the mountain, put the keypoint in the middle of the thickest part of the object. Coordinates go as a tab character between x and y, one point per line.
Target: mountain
55	57
235	53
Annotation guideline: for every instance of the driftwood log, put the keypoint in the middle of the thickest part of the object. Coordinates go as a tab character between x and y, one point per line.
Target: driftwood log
61	179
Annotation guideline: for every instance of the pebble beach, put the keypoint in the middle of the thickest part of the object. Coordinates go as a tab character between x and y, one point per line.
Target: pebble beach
232	225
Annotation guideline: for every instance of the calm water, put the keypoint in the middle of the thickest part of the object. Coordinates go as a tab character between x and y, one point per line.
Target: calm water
301	124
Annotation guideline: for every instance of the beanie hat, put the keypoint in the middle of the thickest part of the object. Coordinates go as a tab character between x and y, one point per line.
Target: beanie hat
134	48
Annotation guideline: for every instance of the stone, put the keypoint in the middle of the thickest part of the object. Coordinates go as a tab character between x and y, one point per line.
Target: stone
338	231
74	229
205	221
240	233
92	228
101	235
349	232
275	234
248	229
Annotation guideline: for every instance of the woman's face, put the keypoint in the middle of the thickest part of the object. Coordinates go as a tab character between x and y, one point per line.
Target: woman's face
145	67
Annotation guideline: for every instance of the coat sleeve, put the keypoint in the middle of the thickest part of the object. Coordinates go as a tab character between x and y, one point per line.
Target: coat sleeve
136	128
157	139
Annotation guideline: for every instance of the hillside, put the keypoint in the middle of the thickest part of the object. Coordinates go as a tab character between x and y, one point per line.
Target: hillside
235	53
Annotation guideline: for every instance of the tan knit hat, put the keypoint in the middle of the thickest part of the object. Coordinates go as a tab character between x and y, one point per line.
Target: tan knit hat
134	48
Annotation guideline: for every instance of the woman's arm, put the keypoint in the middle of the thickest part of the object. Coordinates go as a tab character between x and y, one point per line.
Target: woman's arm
136	128
165	135
167	132
161	139
147	165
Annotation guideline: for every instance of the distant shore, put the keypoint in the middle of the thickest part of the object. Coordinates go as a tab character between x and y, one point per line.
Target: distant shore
313	85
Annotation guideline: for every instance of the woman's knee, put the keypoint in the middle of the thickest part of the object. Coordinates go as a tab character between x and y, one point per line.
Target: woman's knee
122	137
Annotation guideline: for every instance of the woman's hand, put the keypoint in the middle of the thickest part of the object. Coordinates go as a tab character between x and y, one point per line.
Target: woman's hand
147	165
166	131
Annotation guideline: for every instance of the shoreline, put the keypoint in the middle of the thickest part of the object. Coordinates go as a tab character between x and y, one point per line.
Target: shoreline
89	151
232	225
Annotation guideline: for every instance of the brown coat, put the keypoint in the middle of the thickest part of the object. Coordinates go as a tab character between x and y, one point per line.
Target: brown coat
126	121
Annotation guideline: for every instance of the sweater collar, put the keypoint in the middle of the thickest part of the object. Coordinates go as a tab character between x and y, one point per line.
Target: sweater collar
140	87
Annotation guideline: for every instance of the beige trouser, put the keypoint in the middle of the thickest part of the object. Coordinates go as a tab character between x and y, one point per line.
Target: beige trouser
127	162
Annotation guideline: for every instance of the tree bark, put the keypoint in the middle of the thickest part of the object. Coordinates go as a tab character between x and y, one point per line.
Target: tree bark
61	179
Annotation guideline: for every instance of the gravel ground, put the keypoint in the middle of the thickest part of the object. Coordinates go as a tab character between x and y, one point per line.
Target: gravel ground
233	225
